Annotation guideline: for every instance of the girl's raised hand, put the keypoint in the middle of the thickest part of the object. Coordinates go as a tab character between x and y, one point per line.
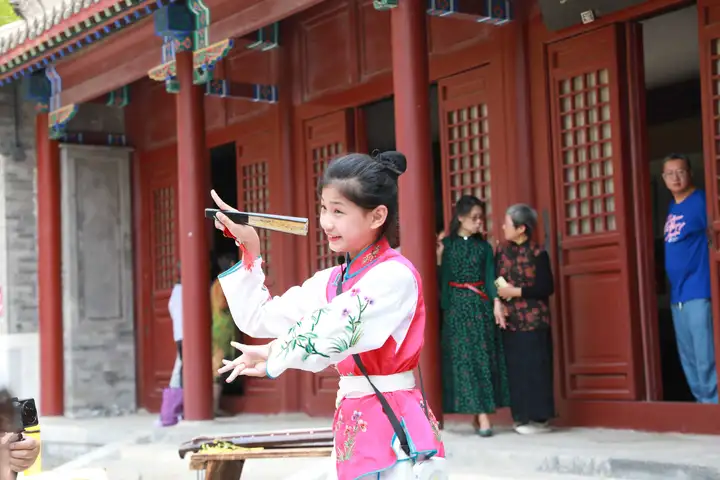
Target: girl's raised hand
244	234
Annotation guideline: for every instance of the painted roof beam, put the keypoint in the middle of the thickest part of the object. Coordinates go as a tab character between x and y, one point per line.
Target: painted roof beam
242	91
495	12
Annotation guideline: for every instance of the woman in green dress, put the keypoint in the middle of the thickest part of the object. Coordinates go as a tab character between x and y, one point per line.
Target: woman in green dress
473	365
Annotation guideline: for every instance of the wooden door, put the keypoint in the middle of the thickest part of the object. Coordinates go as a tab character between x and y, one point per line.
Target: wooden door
709	18
159	250
325	138
596	271
472	135
255	154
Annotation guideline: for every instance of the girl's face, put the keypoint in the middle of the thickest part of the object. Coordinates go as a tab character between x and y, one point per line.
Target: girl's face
511	232
472	223
349	228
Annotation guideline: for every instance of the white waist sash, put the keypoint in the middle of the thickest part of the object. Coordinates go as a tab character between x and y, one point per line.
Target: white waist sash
355	386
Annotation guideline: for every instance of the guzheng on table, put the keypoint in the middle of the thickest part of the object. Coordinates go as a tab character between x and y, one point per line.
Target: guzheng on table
223	457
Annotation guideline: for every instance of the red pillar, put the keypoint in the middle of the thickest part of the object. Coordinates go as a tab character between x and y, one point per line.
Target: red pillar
417	210
194	258
52	400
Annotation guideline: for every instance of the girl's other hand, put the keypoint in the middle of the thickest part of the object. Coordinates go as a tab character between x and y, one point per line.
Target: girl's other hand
252	362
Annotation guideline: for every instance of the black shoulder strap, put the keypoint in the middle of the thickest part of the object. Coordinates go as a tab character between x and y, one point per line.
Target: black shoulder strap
397	427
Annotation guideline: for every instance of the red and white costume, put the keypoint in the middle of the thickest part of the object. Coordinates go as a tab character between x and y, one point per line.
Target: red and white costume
381	316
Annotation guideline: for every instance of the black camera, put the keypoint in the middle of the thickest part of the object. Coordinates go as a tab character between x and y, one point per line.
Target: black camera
16	415
25	414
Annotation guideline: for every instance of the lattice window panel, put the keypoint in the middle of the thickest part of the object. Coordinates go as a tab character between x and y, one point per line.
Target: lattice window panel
715	62
256	198
164	231
587	153
321	156
469	156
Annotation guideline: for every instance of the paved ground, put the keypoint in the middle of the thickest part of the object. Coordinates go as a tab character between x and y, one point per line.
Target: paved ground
136	449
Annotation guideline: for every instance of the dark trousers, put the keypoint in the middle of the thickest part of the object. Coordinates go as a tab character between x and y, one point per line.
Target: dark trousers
529	359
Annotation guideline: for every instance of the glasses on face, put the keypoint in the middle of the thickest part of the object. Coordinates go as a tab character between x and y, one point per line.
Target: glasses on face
680	174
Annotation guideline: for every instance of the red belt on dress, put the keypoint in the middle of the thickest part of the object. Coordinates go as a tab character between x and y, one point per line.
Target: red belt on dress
472	287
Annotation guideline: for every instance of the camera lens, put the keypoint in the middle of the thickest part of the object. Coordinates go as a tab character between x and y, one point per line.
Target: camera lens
29	414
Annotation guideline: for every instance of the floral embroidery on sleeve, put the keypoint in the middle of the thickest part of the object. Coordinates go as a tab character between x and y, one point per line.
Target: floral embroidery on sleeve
352	332
349	431
305	341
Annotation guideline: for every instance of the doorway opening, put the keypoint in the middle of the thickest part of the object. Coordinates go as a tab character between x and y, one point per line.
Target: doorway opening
223	169
379	131
223	172
674	125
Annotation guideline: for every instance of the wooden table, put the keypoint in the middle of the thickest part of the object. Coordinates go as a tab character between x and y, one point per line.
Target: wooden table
228	465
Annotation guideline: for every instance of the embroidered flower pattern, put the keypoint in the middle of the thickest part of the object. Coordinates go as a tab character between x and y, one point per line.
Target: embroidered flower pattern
305	340
351	333
433	421
353	329
371	255
350	430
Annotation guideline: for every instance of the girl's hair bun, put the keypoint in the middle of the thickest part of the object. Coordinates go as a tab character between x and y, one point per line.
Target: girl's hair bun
393	161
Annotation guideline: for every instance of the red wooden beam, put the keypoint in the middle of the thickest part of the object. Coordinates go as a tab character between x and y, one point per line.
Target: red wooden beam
417	212
52	357
119	61
233	23
128	56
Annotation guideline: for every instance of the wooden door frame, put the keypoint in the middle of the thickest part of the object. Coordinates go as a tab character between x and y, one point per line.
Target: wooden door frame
497	113
642	212
140	243
307	263
276	282
142	269
710	151
574	412
623	231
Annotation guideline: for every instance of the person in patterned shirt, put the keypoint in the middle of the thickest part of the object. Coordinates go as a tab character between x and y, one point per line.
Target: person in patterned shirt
522	308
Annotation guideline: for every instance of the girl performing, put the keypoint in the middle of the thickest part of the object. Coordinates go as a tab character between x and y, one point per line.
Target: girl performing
366	318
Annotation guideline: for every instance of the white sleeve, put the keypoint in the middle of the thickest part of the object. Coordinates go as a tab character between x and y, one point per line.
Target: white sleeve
380	305
257	313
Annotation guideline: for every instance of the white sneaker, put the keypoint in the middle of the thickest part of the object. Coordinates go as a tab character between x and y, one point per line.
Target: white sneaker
532	428
543	427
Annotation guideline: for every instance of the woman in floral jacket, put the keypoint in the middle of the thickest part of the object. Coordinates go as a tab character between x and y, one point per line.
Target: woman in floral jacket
523	312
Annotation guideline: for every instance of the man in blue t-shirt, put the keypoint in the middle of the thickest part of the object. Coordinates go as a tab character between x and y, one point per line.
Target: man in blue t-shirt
687	264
